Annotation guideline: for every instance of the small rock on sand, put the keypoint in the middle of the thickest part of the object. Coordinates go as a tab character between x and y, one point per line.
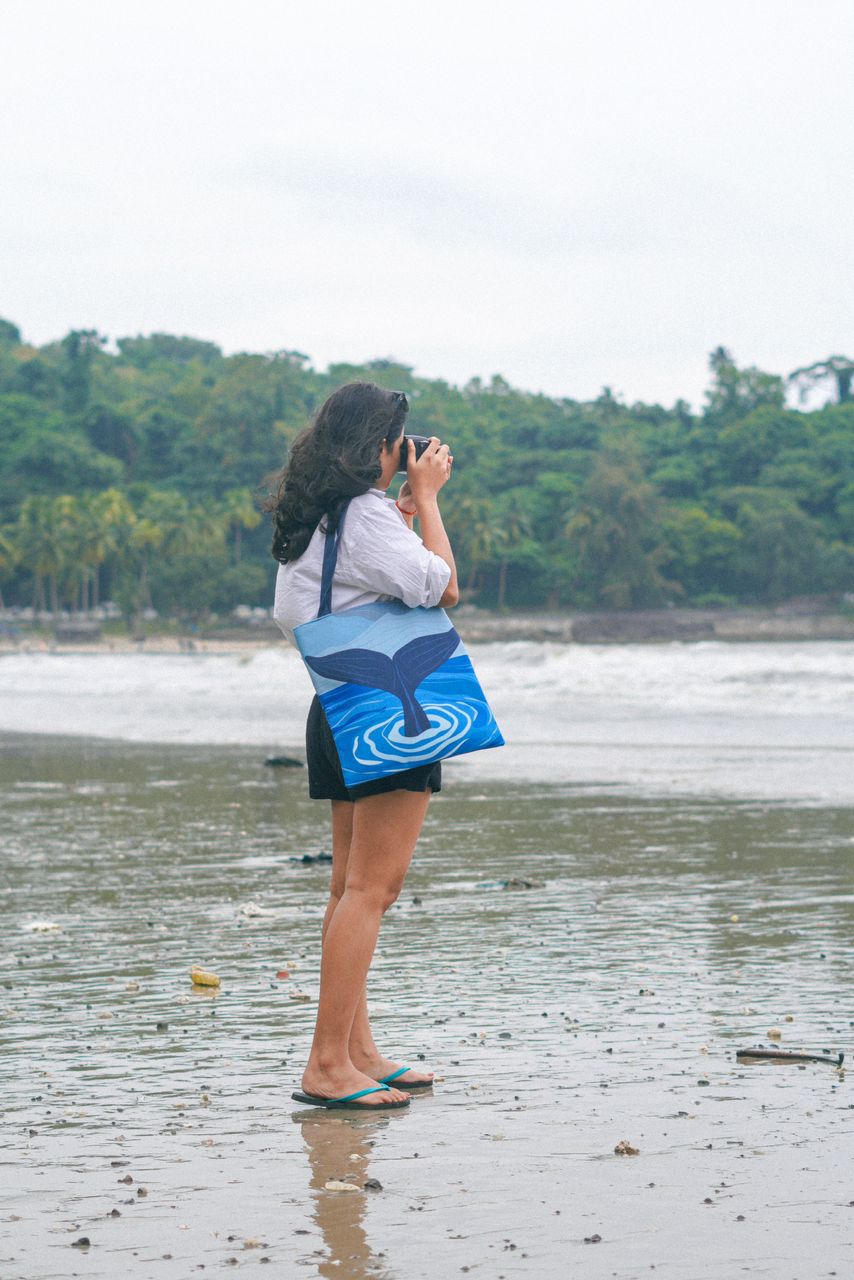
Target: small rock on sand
203	977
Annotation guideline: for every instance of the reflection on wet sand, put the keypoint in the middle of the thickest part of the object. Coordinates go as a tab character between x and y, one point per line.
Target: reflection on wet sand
339	1150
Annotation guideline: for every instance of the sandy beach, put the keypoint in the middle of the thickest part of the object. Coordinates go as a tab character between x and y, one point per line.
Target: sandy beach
579	969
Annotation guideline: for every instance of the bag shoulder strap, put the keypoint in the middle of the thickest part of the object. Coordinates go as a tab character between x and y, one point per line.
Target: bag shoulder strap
330	559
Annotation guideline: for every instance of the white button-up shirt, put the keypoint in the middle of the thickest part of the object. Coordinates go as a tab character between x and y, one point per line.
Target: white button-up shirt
379	558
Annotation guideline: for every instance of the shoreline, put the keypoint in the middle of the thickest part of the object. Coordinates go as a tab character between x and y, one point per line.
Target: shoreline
480	626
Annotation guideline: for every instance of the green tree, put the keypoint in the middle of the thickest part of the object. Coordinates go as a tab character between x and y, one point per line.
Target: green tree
736	392
9	559
702	552
614	541
10	334
39	553
239	513
781	546
840	369
80	346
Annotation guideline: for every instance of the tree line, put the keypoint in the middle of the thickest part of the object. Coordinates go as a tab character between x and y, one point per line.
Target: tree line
137	474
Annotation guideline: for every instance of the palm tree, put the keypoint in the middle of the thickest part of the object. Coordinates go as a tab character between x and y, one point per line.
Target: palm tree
472	525
511	525
240	513
35	538
69	531
107	514
9	557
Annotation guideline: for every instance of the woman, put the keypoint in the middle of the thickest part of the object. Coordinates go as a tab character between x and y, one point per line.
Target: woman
351	454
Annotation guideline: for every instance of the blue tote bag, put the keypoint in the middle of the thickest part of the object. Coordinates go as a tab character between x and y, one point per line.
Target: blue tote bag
396	684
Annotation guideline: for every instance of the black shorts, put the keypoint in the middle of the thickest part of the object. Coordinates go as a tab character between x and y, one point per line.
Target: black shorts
326	781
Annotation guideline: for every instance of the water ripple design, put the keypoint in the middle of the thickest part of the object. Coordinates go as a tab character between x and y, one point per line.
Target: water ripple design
385	741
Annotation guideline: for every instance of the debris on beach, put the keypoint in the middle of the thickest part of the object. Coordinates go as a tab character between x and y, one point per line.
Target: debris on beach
42	926
308	858
251	909
284	762
334	1185
787	1055
372	1184
300	995
283	973
514	882
203	978
774	1033
625	1148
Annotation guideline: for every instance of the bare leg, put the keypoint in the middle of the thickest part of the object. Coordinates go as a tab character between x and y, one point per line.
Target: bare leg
364	1053
384	831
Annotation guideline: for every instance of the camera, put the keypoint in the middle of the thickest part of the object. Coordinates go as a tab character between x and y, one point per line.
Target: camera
421	443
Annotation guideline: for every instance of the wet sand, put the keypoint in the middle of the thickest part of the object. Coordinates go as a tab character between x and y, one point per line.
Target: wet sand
578	968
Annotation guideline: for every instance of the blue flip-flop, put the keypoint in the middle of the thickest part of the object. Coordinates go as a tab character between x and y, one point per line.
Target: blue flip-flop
417	1084
349	1100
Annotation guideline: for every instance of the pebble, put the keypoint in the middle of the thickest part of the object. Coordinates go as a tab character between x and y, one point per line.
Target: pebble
203	978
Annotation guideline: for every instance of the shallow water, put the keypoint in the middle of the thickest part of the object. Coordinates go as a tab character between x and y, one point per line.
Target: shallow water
590	1007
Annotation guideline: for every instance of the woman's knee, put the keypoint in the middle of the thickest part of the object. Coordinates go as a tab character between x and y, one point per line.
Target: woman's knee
377	891
338	883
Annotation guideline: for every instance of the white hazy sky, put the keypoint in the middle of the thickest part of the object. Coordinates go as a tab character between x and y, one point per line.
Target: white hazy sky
576	194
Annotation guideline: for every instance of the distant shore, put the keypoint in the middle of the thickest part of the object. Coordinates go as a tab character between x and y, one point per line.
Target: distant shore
476	626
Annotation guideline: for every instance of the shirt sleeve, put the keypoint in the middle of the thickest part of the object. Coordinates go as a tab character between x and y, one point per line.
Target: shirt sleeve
379	552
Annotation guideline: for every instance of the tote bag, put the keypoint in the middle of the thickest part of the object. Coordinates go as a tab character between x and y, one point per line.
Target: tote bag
396	684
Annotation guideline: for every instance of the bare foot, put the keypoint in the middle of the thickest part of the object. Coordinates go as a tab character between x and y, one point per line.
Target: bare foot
340	1082
377	1066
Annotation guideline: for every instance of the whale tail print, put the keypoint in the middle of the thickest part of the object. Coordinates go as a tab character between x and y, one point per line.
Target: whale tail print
400	674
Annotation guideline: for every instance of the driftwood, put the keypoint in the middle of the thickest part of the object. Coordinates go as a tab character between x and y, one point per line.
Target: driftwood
788	1055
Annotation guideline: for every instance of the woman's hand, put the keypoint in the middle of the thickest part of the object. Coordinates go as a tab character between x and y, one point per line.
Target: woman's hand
405	501
432	470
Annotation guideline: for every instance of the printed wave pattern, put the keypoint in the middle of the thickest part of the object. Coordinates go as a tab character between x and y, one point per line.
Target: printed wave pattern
370	732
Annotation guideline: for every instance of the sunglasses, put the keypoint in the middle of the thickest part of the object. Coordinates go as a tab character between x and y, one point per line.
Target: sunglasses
400	402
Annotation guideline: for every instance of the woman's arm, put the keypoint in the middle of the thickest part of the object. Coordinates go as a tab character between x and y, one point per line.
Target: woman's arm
426	477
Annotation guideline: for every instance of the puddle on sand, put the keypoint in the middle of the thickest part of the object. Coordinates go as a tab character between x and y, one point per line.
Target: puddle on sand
603	1003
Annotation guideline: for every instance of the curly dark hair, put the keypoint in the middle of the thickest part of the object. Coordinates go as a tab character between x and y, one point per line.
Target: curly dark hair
333	460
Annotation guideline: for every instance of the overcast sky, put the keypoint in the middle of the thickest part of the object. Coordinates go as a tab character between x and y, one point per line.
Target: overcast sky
574	195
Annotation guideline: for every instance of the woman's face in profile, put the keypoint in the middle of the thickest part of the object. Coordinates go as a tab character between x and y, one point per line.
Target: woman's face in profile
390	459
394	451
